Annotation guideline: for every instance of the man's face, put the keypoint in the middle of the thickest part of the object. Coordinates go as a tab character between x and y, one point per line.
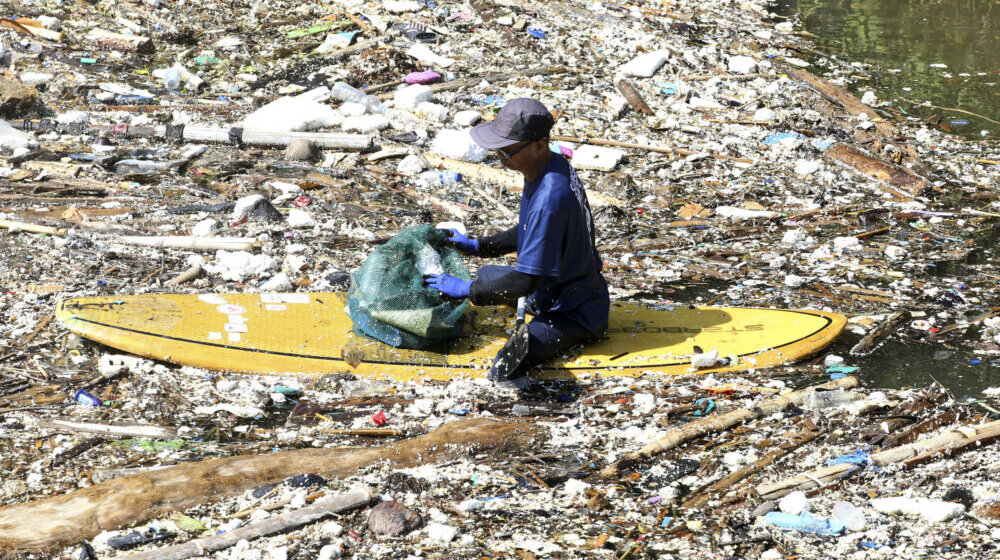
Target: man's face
518	156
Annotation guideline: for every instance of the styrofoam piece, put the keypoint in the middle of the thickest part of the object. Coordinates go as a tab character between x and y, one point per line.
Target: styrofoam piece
31	78
932	511
764	114
413	95
793	237
467	118
706	359
410	165
424	53
365	123
458	144
742	64
291	114
12	139
432	111
645	65
402	6
237	266
597	157
350	109
298	218
794	280
441	532
807	167
277	283
204	228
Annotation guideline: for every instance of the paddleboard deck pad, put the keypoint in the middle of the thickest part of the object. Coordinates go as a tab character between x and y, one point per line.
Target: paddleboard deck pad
310	334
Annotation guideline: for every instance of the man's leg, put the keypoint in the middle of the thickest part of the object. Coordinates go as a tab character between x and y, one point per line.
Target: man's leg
548	335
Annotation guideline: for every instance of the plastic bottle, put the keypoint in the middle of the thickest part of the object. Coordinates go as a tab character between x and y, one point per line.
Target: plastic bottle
824	399
172	78
805	523
83	397
345	92
850	516
441	177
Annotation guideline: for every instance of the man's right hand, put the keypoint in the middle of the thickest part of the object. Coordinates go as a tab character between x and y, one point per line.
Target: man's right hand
464	244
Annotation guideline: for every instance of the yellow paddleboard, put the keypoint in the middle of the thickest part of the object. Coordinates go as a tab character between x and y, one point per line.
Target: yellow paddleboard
310	334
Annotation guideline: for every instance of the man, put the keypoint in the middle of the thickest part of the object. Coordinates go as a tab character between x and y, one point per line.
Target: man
557	264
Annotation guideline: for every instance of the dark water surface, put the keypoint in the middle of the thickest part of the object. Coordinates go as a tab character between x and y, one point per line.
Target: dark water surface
906	39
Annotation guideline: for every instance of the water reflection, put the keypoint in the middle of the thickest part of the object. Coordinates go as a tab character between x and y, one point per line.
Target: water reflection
909	40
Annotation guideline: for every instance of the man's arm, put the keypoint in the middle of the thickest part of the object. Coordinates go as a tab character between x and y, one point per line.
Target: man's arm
499	244
505	288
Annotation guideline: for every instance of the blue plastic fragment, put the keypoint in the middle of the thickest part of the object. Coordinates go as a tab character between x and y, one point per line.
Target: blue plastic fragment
822	144
709	407
537	33
859	457
777	137
837	375
804	522
459	411
974	361
958	122
666	521
669	88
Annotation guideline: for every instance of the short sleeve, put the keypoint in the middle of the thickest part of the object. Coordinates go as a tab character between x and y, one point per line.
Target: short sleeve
541	244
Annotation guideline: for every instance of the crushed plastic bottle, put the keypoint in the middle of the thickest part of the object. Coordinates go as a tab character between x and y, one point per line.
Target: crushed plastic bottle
345	92
172	78
819	400
852	517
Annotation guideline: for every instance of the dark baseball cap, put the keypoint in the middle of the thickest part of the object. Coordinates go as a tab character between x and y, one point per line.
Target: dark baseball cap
518	120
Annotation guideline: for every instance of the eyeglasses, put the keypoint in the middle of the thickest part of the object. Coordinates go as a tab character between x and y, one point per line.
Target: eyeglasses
510	155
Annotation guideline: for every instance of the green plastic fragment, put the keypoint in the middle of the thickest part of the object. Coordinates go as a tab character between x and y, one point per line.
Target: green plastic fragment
286	390
842	369
185	523
86	60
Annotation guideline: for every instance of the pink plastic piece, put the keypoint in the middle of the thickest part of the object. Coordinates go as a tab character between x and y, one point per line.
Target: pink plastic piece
426	77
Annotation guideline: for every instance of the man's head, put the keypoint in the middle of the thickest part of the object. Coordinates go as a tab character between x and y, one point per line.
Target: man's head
519	134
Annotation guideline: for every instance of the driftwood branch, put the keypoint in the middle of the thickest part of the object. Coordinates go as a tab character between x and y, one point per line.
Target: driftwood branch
137	430
879	333
63	520
263	528
949	442
710	424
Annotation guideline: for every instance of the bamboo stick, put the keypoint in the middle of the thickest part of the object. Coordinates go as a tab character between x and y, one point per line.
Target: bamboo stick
955	438
191	242
271	525
137	430
189	274
710	424
32	228
657	149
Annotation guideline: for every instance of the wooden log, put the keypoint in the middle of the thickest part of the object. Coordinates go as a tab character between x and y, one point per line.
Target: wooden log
271	525
634	98
117	429
879	333
81	514
192	242
32	228
710	424
647	148
118	41
189	274
842	97
957	438
31	27
336	140
886	174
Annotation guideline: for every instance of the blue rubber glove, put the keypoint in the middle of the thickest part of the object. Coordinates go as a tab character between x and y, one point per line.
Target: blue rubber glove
464	244
449	285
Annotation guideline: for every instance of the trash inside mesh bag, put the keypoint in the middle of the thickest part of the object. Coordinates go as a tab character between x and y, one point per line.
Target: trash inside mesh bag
388	300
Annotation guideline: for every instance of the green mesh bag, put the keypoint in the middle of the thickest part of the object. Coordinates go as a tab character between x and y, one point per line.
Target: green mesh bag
388	300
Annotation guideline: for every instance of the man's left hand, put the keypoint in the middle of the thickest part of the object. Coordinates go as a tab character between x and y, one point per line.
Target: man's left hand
449	285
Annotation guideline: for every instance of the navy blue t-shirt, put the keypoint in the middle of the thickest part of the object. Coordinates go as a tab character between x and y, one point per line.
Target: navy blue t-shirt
556	242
